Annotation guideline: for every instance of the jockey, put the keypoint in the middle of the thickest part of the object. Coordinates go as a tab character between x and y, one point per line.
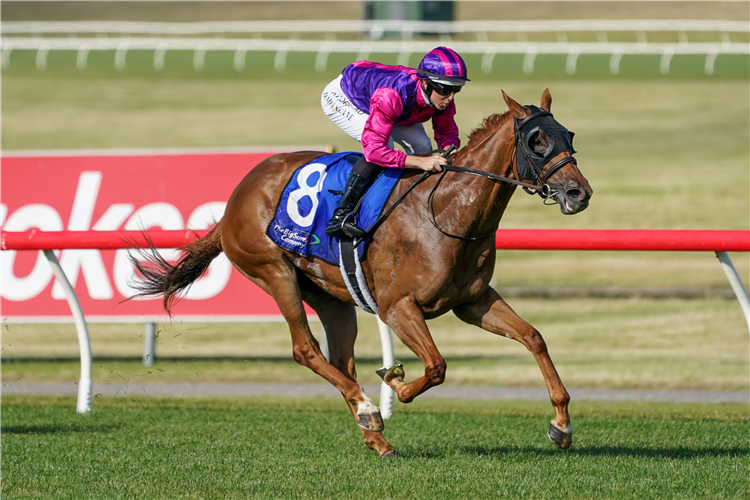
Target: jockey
378	105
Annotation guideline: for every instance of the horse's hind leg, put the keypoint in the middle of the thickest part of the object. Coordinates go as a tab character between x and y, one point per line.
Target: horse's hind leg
279	279
493	314
340	322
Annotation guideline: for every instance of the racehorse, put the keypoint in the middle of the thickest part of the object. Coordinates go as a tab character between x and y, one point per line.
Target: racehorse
433	254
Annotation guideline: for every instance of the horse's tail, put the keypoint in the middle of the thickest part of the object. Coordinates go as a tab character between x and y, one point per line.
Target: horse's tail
155	276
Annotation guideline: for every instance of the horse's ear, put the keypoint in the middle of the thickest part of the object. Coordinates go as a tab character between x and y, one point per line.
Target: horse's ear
546	100
513	106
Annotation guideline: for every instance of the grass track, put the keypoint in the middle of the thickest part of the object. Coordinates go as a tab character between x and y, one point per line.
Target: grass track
280	9
646	144
595	343
283	448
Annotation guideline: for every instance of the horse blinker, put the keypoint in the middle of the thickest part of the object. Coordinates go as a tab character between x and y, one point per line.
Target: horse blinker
530	163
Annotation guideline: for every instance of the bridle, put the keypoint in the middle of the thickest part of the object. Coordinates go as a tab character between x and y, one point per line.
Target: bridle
530	165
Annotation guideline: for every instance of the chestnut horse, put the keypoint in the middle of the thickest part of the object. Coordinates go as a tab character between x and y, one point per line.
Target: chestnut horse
415	269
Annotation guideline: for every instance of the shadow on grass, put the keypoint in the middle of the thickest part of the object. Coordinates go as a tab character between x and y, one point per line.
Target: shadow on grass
594	451
57	428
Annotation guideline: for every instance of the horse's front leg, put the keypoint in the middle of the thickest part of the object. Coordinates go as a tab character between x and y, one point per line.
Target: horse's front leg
406	319
493	314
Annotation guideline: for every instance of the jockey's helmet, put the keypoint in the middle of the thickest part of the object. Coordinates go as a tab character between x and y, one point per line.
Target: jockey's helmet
444	69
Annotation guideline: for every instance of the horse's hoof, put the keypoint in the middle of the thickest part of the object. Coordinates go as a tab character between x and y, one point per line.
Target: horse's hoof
388	373
390	454
371	421
561	439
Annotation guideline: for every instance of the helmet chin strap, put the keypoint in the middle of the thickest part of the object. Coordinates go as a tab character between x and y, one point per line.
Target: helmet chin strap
427	93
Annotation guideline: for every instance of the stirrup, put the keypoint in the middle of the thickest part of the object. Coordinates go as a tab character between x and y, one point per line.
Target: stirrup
350	228
353	231
346	228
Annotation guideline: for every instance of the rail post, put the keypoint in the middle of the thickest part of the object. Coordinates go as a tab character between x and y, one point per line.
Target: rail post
734	279
386	393
84	345
323	341
149	349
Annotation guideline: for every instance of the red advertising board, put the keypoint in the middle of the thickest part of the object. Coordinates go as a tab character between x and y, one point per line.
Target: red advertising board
109	192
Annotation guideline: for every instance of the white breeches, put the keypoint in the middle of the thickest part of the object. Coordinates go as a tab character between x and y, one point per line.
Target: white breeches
340	110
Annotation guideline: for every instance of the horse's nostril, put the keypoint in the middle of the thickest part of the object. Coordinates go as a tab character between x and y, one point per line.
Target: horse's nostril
575	194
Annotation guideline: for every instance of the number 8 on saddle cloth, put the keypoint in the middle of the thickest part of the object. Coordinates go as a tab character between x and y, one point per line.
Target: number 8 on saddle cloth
311	196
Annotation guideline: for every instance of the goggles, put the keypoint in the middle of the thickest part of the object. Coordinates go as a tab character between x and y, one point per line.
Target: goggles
444	89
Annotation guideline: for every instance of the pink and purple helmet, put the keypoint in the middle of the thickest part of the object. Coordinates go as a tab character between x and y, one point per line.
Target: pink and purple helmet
443	65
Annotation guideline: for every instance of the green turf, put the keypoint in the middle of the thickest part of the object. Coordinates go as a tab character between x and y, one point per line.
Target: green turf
221	63
280	448
327	10
595	343
659	153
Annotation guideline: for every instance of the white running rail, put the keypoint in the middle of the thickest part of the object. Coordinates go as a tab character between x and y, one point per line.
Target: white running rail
122	37
370	27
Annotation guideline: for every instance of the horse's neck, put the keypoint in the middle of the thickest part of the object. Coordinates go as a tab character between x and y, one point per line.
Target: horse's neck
488	199
495	153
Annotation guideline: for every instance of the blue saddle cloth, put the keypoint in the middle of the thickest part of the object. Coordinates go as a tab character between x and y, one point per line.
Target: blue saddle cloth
307	203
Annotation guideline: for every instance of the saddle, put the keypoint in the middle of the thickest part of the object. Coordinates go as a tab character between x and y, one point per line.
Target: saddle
308	202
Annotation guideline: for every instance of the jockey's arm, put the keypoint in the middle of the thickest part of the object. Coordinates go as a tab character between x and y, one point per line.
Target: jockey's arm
426	163
385	107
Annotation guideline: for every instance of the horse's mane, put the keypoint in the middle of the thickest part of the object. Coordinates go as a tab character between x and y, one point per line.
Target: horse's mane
488	127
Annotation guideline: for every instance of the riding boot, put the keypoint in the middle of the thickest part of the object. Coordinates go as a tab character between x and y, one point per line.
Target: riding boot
342	223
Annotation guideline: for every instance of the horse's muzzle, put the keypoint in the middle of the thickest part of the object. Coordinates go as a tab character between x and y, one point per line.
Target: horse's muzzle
573	198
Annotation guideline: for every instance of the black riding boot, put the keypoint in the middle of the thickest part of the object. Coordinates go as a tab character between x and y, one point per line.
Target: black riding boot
342	223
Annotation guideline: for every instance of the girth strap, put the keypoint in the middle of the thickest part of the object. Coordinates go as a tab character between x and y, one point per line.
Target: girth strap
354	277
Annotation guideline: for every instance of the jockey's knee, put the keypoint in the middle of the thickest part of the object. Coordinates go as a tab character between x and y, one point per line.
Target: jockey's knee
365	169
413	139
421	145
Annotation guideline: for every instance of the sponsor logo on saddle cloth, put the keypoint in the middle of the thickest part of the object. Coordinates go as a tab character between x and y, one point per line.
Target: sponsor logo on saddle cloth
307	203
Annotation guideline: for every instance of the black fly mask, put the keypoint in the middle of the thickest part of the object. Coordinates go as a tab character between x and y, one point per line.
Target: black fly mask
530	162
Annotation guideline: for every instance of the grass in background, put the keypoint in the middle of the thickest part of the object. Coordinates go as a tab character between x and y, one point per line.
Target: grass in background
327	10
284	448
599	343
660	152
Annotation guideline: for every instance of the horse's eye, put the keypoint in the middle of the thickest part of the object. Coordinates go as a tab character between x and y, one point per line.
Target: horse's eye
538	142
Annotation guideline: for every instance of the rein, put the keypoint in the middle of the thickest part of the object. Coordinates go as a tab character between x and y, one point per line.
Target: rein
497	178
544	190
480	173
535	165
